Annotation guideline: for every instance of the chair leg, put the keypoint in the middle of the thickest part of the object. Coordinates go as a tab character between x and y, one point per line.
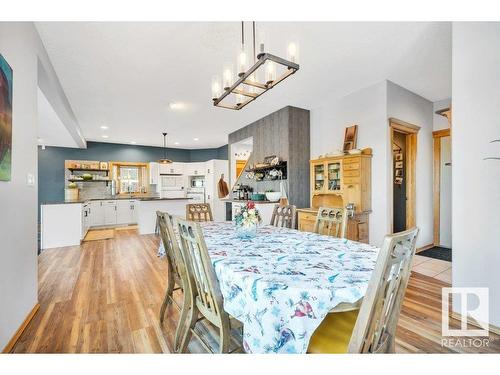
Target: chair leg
192	318
186	306
225	338
168	295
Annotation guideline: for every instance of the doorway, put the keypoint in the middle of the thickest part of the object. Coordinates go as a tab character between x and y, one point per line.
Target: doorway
403	138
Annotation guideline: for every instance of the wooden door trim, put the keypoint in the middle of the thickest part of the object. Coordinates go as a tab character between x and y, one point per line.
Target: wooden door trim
436	185
411	131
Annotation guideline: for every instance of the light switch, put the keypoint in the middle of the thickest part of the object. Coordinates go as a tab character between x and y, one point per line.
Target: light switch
31	179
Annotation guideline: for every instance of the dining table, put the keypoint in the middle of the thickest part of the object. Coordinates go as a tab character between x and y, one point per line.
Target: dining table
282	282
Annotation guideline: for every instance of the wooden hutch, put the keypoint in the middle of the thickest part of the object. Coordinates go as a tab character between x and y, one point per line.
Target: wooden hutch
337	181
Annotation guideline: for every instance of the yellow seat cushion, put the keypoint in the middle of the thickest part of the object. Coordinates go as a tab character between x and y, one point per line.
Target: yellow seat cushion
334	333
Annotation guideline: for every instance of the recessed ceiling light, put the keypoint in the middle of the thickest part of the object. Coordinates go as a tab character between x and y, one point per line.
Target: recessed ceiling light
104	127
176	143
105	136
196	139
176	105
133	142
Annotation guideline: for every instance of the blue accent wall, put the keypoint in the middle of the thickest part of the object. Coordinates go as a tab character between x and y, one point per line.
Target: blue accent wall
51	161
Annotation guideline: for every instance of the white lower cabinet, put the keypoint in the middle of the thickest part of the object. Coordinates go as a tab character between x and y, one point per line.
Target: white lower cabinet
125	211
109	212
96	213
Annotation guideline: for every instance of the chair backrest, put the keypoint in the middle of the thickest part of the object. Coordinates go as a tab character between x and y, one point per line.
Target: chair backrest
375	328
176	264
199	212
202	280
284	216
331	221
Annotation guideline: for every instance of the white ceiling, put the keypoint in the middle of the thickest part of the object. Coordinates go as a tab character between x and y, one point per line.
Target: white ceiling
124	75
51	130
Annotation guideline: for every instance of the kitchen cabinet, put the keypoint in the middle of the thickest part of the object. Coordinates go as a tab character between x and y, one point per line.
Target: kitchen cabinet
154	173
85	219
172	168
195	169
126	211
109	212
96	213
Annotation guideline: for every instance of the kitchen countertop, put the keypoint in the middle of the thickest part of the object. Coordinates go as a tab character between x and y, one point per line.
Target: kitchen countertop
142	198
230	200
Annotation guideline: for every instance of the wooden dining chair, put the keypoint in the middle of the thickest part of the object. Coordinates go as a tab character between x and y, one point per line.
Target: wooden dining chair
203	286
372	328
284	216
331	221
199	212
176	276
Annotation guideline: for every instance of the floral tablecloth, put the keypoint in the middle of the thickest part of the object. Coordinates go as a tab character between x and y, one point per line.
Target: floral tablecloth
282	283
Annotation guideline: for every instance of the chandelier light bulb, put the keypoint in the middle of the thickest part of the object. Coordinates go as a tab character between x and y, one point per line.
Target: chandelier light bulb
292	52
216	87
242	62
227	77
270	72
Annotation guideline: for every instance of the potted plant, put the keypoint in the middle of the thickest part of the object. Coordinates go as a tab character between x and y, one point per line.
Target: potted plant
246	220
71	192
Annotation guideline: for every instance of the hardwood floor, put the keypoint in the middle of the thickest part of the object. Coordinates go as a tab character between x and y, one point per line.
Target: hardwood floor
104	297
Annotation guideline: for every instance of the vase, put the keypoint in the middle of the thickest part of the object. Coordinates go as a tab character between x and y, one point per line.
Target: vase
246	232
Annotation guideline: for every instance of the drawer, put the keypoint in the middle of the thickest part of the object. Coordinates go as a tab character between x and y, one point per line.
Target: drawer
351	180
351	166
351	161
354	173
307	216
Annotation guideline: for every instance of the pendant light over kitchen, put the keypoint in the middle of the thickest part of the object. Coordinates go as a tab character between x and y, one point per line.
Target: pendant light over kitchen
164	160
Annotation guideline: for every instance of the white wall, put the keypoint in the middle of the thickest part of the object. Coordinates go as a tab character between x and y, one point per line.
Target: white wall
21	46
440	122
18	202
366	108
409	107
476	182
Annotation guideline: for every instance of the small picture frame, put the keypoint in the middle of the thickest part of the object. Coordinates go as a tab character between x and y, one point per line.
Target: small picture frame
398	180
103	165
350	138
398	173
398	165
398	156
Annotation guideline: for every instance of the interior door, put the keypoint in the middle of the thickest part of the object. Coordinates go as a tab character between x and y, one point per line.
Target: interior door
445	194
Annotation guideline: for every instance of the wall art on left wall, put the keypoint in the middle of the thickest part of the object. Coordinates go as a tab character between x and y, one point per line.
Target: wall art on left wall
5	120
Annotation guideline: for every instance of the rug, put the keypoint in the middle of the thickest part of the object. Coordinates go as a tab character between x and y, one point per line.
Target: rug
99	234
437	252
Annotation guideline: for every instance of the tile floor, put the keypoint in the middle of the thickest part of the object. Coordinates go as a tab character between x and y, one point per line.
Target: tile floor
438	269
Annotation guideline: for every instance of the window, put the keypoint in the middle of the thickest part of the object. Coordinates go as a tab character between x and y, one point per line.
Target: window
130	181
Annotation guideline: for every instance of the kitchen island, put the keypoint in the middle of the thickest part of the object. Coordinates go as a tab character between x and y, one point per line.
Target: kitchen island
65	223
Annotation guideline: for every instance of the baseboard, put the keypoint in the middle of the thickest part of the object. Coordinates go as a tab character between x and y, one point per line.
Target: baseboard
492	328
20	330
426	247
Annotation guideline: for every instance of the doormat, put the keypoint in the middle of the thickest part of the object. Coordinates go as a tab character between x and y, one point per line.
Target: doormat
99	234
437	252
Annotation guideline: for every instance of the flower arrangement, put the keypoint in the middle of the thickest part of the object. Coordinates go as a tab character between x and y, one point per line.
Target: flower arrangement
247	219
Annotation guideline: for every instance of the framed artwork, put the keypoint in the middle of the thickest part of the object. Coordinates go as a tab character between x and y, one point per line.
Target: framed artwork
350	138
398	164
5	120
103	165
399	173
398	156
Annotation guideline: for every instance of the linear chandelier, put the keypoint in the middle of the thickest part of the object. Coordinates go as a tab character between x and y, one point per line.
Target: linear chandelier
254	81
